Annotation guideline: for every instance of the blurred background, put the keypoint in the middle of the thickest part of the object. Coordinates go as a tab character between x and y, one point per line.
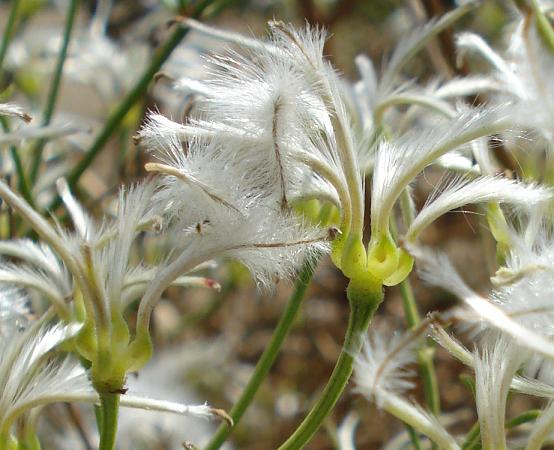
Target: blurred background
208	342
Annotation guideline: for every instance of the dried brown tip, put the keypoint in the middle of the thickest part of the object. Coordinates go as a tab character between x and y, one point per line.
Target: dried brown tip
157	224
26	117
222	415
137	138
154	224
276	24
163	76
189	446
334	232
177	20
212	284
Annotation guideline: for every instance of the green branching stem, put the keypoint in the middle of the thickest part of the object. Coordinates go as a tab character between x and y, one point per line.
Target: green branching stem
268	356
116	118
22	183
37	149
414	437
364	299
110	408
473	438
425	354
9	31
413	319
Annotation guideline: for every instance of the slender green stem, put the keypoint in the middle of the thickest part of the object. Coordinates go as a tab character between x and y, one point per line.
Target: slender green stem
473	438
268	356
425	354
362	307
110	409
413	319
115	119
37	149
6	40
543	25
22	184
9	31
414	437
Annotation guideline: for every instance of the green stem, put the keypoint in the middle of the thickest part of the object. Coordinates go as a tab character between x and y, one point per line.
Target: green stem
115	119
413	319
37	149
414	437
473	438
22	184
543	25
268	356
9	31
425	357
364	301
425	354
110	408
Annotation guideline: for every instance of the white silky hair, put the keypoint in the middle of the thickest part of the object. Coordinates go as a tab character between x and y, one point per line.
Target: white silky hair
267	106
524	70
459	191
220	211
437	269
399	162
495	367
114	260
382	366
382	376
14	110
14	310
29	277
38	255
275	107
29	378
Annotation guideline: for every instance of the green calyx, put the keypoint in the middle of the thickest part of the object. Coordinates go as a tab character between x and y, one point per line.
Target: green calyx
384	261
405	266
383	256
354	258
140	350
111	352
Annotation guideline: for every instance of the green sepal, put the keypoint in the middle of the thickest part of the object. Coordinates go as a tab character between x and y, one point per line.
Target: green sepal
337	247
139	351
8	442
383	256
500	231
405	266
85	341
120	334
354	257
